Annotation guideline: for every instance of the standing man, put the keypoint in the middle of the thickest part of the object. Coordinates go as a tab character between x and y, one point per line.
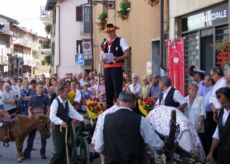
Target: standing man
61	113
38	104
169	95
121	135
221	136
119	49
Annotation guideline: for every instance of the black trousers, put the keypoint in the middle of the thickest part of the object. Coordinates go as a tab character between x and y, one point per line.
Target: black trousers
113	84
210	126
30	142
59	156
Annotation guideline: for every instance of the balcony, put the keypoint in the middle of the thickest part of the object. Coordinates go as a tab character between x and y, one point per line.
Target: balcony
45	16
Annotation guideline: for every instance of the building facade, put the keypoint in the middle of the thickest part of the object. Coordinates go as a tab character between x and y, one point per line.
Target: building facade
70	31
141	30
202	24
5	43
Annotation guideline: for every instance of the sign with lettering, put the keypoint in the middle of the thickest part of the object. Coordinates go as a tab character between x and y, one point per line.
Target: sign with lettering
214	16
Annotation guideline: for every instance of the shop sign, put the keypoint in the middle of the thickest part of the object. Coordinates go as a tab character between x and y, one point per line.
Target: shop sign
214	16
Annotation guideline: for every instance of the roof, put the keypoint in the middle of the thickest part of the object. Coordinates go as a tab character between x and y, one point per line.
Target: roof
50	4
24	30
10	19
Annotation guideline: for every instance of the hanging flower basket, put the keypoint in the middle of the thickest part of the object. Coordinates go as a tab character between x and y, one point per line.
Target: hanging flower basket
102	20
152	3
125	7
223	57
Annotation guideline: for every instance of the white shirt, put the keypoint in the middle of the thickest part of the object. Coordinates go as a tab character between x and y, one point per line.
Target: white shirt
148	134
9	96
177	97
225	117
77	96
53	112
135	88
213	100
195	110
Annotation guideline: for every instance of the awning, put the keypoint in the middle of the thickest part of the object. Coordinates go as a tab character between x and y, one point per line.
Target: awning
50	4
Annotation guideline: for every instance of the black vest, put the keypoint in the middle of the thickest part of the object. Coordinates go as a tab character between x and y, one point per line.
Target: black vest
169	99
62	111
115	48
224	139
123	143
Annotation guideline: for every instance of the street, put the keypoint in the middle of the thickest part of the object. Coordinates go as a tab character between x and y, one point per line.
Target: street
9	155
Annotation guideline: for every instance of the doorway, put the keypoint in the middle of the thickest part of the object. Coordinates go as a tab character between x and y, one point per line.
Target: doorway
206	54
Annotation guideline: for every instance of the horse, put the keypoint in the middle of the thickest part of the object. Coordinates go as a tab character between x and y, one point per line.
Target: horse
21	126
187	137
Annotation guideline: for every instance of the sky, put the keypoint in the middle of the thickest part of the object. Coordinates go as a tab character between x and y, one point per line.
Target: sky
27	12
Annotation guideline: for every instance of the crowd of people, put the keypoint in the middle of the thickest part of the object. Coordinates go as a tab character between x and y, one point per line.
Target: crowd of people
200	105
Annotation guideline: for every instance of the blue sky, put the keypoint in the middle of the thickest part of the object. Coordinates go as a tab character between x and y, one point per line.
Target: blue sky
27	12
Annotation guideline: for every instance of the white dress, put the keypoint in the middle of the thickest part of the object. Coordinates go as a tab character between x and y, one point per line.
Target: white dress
195	110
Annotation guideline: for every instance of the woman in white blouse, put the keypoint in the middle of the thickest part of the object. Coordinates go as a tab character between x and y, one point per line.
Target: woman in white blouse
195	111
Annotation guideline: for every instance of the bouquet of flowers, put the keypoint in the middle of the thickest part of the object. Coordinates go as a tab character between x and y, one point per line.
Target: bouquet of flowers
145	105
94	108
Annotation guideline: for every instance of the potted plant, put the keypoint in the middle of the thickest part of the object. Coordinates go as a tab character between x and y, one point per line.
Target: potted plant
152	3
125	7
223	56
102	20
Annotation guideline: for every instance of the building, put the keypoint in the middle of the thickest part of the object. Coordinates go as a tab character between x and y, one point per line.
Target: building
70	31
25	45
141	30
202	24
5	42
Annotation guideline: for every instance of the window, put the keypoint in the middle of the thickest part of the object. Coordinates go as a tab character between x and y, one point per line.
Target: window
43	62
86	19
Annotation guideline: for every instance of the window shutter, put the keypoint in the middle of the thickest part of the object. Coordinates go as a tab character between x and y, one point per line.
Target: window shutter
79	15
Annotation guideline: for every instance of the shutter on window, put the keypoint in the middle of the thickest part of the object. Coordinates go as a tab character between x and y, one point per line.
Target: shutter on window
79	13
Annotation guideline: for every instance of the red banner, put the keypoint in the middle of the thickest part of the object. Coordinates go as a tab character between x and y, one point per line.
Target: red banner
176	64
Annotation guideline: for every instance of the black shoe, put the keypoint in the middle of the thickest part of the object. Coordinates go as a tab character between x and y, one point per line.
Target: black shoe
43	156
26	156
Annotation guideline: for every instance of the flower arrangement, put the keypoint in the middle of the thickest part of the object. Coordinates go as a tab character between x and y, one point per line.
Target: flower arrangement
125	7
223	58
93	108
146	105
152	3
102	20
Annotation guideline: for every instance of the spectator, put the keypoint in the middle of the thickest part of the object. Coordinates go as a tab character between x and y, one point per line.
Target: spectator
154	90
145	88
135	87
24	98
221	137
86	94
38	104
9	99
72	92
195	111
209	123
227	77
218	76
169	95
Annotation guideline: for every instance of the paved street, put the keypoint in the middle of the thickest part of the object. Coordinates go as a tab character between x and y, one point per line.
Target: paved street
9	154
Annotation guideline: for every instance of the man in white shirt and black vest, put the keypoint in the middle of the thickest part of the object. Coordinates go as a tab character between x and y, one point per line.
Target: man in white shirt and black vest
119	49
169	95
221	136
61	114
122	135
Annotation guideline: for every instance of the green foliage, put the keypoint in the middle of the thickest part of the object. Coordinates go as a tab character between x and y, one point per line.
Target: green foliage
103	16
124	9
48	59
48	28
